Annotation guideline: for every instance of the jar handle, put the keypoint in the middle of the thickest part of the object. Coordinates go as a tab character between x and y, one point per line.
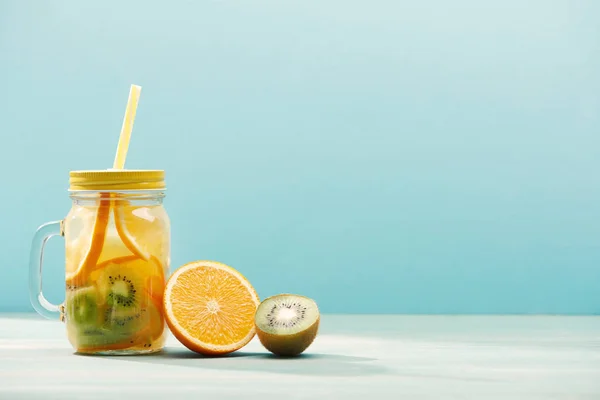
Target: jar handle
36	261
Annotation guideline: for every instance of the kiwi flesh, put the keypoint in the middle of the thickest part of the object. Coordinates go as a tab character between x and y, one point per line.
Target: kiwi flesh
82	307
287	324
84	318
91	337
110	312
121	291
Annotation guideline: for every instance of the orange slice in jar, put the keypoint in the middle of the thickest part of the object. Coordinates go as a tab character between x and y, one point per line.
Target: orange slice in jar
209	307
83	251
156	327
142	229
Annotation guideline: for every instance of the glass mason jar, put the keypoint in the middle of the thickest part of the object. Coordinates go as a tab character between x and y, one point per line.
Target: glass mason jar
117	259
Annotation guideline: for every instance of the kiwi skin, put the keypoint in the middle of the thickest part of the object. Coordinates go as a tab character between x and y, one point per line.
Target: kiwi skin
288	345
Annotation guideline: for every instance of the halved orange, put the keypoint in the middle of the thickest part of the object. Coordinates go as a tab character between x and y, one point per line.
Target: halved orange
210	307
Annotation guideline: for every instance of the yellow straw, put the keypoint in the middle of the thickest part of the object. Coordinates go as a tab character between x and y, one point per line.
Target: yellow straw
134	96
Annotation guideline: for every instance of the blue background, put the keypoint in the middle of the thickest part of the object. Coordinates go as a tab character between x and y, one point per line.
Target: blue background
379	156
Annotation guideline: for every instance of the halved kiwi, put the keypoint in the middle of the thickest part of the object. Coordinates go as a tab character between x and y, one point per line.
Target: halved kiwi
286	324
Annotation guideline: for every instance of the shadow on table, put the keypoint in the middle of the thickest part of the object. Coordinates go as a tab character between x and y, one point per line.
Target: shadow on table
305	364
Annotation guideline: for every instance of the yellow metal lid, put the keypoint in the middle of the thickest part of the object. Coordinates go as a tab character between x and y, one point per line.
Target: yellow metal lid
112	180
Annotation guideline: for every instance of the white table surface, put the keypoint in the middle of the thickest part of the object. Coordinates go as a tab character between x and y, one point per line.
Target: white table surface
353	357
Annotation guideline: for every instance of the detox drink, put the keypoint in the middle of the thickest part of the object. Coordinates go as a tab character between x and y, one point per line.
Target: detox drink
117	258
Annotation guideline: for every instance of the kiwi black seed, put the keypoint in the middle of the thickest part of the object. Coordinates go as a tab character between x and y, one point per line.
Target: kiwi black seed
287	324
